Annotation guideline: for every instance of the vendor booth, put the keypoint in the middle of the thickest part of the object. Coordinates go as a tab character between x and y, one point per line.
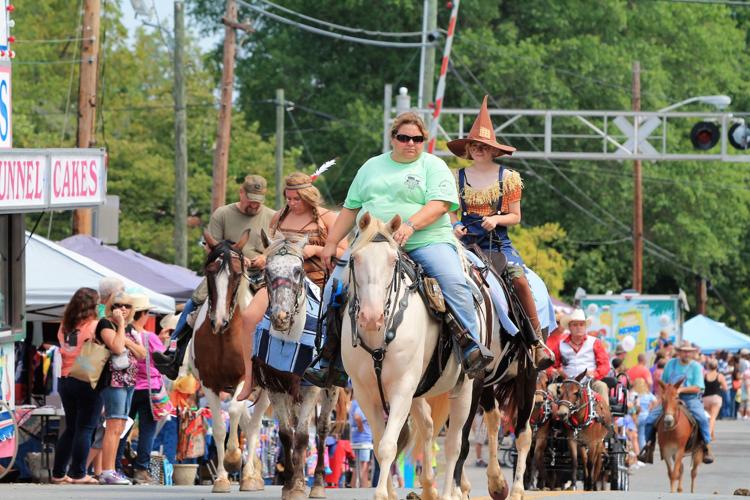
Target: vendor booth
711	336
168	279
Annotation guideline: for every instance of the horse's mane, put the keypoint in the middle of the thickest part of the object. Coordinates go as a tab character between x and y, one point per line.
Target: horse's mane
224	248
375	227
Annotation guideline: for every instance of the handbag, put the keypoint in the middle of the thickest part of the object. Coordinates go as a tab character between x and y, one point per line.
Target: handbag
161	405
90	362
120	361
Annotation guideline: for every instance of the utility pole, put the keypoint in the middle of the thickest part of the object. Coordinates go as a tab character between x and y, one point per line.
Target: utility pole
180	139
701	295
221	155
82	218
638	190
280	108
427	61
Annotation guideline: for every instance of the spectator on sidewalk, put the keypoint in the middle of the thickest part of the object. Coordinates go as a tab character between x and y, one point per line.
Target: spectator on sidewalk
361	442
640	370
81	402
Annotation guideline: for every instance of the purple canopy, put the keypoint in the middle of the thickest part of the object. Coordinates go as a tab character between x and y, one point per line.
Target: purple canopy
168	279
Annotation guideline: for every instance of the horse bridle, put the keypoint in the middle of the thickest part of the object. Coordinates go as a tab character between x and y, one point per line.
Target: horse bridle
216	253
587	399
546	409
393	317
282	282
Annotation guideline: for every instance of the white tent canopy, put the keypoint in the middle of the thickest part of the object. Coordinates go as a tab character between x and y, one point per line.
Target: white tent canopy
53	274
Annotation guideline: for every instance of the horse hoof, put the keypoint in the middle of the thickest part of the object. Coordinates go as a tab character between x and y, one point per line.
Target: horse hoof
501	494
233	460
252	484
221	485
318	492
297	495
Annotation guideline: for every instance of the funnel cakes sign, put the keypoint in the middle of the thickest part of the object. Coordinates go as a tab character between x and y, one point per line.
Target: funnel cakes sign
32	180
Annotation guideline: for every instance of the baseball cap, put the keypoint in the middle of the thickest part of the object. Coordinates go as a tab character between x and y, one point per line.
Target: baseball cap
255	187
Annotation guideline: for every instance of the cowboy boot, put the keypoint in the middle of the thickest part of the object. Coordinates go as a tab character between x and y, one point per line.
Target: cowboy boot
474	355
169	362
330	371
541	354
647	453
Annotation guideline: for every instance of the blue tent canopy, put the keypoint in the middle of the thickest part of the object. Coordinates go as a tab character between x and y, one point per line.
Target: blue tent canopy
710	335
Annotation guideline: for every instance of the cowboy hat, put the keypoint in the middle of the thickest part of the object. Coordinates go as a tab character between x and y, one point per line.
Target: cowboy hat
576	315
140	302
685	345
481	131
169	322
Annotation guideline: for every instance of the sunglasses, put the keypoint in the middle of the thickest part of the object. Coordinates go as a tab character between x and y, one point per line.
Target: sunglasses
417	139
120	306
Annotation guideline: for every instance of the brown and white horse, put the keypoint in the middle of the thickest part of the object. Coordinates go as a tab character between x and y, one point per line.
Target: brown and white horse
674	431
215	357
589	421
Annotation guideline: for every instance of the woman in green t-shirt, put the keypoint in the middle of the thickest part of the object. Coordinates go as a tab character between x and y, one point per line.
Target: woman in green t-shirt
420	188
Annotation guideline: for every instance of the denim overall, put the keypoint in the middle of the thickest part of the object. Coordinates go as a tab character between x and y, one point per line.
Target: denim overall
496	240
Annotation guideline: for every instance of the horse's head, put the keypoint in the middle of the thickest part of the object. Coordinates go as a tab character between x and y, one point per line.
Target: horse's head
224	269
372	264
669	402
285	277
571	393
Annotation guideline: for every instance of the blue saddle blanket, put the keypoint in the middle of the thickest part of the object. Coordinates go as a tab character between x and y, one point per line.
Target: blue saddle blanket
286	355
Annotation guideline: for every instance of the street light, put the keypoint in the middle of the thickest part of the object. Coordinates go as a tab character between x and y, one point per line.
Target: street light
718	101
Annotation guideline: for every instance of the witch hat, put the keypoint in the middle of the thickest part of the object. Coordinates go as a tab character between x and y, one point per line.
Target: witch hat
482	131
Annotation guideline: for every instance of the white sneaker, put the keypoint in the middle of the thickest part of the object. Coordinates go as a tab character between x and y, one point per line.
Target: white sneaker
641	464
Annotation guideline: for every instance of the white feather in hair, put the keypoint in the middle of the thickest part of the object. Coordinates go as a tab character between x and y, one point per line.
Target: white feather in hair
323	168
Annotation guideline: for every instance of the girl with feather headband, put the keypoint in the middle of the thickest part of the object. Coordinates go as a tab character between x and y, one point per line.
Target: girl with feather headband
490	202
303	215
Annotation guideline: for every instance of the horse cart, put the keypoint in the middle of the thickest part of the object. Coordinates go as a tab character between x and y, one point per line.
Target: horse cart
556	469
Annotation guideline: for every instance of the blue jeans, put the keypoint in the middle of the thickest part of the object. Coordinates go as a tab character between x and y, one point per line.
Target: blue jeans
694	404
117	401
146	430
167	439
189	307
642	429
82	406
441	261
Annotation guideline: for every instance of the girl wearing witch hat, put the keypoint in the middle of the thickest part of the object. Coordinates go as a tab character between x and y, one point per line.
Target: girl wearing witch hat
490	201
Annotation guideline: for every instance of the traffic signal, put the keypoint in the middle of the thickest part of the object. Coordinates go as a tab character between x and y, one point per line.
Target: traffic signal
738	136
704	135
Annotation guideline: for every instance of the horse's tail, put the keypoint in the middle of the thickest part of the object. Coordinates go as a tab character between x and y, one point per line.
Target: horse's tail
439	410
515	397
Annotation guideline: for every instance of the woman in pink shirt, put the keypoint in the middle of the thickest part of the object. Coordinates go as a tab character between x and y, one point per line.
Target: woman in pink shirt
81	403
141	405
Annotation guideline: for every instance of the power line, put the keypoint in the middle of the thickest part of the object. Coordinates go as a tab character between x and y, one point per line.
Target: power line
339	36
735	3
401	34
36	63
54	40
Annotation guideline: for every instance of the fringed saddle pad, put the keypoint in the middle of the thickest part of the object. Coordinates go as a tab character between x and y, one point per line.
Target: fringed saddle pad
278	364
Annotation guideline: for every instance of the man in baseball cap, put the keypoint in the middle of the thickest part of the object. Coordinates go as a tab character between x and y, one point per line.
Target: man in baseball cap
227	223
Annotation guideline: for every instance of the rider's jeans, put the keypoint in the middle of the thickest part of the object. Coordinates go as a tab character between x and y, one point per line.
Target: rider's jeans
441	261
189	307
695	405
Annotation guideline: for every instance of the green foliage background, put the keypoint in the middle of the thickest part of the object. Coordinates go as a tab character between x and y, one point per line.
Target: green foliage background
542	54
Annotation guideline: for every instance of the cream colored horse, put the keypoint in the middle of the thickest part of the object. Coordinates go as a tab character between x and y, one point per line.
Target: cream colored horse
373	266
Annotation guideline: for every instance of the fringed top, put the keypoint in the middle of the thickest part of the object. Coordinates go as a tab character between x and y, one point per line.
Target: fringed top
484	201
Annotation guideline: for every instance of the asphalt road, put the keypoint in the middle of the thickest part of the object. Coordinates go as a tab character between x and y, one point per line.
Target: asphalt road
717	481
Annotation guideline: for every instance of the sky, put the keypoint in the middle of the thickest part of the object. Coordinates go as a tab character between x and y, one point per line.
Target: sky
163	10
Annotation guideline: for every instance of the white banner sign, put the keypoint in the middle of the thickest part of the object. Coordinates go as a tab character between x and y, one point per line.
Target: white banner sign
38	179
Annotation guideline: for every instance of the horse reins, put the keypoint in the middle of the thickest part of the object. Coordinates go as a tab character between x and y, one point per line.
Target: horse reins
586	401
392	320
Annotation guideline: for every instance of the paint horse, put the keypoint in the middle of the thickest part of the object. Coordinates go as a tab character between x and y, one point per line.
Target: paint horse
283	349
541	420
678	434
588	420
215	357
